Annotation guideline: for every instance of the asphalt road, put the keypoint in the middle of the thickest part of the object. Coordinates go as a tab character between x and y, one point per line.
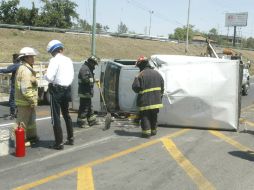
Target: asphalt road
116	159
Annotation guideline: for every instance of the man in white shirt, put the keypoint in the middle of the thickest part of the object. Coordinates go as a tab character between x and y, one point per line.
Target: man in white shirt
60	74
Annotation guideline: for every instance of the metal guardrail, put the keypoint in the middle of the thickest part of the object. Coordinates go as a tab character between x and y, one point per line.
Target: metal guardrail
47	29
123	35
39	68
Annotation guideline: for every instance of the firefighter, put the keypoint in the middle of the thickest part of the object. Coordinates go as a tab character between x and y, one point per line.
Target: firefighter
60	74
26	93
12	69
85	91
149	85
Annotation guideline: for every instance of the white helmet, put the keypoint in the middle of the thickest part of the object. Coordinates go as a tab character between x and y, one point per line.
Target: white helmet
53	45
27	51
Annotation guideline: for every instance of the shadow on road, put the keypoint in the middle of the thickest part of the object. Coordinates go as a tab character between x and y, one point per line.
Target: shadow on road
4	104
43	144
247	131
247	155
6	117
127	133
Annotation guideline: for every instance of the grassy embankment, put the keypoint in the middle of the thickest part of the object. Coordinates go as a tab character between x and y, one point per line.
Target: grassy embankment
78	46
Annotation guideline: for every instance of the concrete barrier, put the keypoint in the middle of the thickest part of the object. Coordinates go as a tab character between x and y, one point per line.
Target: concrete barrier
4	142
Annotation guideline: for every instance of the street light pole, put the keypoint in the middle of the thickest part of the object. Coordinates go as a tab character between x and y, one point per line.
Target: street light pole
187	33
93	45
150	12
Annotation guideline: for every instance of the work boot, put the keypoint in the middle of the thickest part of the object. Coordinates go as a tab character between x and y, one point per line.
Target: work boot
27	144
94	122
69	142
146	133
82	124
57	147
146	136
153	132
33	140
12	116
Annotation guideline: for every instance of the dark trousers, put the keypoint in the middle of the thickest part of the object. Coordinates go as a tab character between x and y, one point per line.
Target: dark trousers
60	100
149	119
12	100
85	109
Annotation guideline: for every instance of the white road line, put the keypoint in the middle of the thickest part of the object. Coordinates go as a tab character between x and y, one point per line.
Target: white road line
75	148
39	119
80	147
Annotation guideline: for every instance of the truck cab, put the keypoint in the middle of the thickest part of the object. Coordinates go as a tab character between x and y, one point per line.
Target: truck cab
245	75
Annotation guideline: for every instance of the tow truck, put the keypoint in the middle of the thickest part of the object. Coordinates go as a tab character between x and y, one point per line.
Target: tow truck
232	55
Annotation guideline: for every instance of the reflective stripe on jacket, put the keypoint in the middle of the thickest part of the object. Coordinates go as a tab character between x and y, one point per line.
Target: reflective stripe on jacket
26	87
149	85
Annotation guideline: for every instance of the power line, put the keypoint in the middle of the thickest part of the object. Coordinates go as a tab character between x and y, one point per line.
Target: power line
155	13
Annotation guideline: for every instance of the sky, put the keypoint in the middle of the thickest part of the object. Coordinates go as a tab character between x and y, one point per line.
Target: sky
166	15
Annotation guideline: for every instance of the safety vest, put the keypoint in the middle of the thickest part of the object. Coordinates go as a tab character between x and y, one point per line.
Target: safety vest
26	86
149	85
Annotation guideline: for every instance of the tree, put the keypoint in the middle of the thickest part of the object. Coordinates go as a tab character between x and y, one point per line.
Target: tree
250	42
213	35
105	28
58	13
213	32
180	33
84	25
27	16
8	10
122	28
99	28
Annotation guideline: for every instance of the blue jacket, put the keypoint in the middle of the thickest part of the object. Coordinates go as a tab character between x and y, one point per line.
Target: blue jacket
11	69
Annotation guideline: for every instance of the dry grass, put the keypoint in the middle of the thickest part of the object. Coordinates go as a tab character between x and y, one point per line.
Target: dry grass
78	47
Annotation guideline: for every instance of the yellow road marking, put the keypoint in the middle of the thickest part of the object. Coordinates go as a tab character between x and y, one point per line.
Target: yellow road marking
244	121
133	149
230	141
187	166
245	109
85	178
45	180
99	161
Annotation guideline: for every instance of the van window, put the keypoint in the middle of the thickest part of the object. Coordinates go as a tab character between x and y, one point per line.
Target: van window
125	62
111	83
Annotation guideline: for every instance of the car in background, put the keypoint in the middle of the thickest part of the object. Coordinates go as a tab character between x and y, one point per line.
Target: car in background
245	80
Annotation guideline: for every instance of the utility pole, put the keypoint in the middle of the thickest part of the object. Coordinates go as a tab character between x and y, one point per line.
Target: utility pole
234	36
93	46
187	33
150	12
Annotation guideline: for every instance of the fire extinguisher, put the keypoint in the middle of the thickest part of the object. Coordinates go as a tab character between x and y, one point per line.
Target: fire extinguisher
20	140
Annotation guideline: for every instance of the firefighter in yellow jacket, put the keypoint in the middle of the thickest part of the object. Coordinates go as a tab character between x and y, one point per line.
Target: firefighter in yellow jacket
26	93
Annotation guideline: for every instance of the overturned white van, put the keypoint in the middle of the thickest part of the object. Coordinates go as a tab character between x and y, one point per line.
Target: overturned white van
200	92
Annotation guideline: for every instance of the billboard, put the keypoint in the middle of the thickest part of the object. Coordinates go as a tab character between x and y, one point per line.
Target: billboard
236	19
